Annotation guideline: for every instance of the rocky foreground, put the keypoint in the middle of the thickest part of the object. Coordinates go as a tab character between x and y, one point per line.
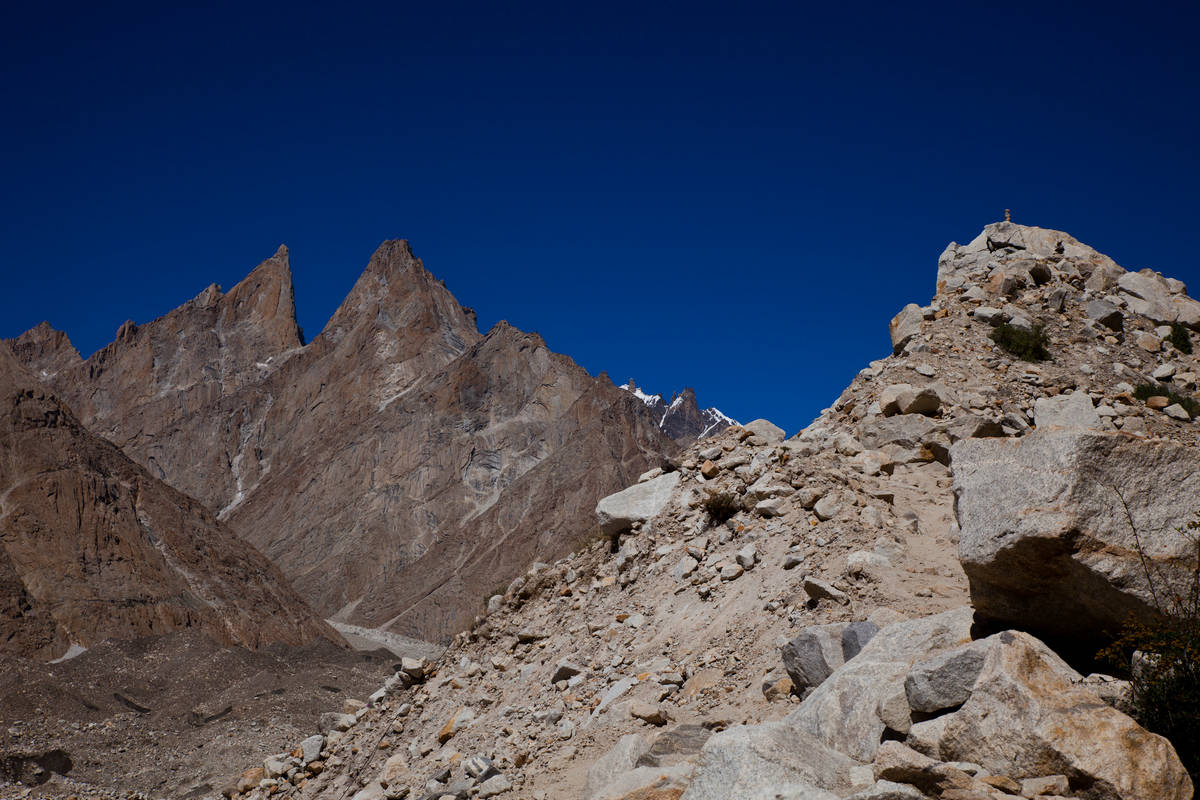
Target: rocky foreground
902	603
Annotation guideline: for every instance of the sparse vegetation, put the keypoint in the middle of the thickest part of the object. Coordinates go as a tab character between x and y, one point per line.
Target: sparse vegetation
1180	338
1147	390
1164	659
721	506
1025	344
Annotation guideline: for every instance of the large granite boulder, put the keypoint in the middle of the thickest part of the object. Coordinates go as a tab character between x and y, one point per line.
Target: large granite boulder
1026	716
640	502
904	326
1060	529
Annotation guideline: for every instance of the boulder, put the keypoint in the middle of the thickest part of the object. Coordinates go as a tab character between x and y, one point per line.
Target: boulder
617	512
904	430
621	758
766	762
766	430
944	680
904	326
1073	410
1027	717
1105	313
1147	293
814	654
844	711
1050	526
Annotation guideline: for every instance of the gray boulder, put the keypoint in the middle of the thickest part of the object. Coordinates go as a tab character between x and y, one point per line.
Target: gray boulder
1148	294
1066	411
1105	313
844	711
638	503
904	326
945	680
767	762
1050	526
814	654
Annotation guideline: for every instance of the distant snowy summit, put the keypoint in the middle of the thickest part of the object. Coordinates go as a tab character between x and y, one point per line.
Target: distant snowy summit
682	419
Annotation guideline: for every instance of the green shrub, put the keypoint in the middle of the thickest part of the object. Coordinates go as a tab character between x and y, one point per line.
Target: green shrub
1180	338
1027	345
1164	660
1147	390
721	506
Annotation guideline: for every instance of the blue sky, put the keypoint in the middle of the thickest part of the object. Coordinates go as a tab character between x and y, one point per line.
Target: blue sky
735	197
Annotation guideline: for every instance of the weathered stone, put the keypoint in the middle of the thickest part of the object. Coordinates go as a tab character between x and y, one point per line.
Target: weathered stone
1073	410
497	784
1105	313
709	470
1149	295
843	711
619	759
889	790
855	637
638	503
747	556
565	670
828	506
944	680
310	748
685	567
763	762
1176	411
459	720
773	507
904	326
1048	528
989	315
818	589
814	654
1027	717
651	713
766	430
905	430
1047	784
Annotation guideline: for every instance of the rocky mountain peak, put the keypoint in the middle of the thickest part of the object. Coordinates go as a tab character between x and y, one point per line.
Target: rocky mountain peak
682	419
44	350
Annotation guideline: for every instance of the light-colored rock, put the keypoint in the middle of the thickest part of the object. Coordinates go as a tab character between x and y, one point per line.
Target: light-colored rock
638	503
772	507
495	785
310	748
459	720
747	556
828	506
1148	294
1047	527
843	711
1026	717
1176	411
651	713
765	430
1105	313
684	567
818	589
1073	410
889	790
987	314
765	762
904	326
621	758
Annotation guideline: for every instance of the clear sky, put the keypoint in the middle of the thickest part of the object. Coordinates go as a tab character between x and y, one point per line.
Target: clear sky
731	196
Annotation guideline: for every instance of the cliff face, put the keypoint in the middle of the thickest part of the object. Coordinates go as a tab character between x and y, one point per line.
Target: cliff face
396	467
92	546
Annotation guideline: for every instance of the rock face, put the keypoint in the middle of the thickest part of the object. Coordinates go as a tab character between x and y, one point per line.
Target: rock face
93	547
1051	526
682	419
396	467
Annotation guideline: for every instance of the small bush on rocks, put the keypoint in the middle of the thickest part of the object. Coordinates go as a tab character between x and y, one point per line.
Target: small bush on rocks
1180	338
1147	390
1027	345
721	506
1164	660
